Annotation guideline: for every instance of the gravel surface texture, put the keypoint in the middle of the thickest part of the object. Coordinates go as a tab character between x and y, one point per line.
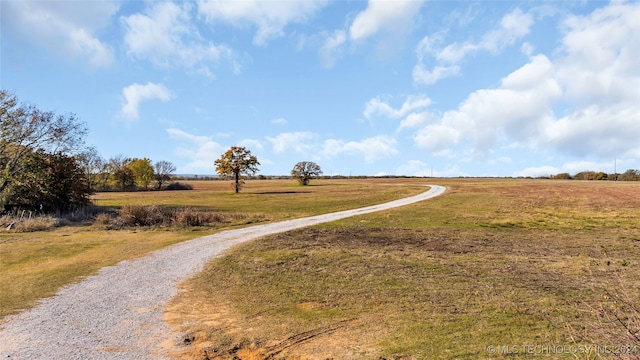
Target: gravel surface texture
118	313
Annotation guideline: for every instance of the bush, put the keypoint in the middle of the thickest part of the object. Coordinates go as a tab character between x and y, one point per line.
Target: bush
137	215
179	186
151	216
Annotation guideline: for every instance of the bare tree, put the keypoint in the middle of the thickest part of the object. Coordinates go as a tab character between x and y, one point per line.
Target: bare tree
92	164
163	171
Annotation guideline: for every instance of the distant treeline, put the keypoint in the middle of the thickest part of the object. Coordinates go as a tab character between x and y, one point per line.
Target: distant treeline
629	175
288	177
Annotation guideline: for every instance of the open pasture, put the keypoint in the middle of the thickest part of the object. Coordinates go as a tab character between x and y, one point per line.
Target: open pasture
34	265
487	270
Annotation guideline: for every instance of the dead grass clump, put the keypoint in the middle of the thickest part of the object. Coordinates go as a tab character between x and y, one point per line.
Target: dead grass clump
157	216
29	224
137	215
189	217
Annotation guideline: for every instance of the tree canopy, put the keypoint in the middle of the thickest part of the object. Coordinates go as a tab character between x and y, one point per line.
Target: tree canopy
304	171
237	162
25	129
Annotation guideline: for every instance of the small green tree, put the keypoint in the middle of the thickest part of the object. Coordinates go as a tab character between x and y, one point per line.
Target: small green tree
125	177
236	162
143	171
304	171
25	129
51	182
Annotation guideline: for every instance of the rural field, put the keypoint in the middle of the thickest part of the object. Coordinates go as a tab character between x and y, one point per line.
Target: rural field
493	268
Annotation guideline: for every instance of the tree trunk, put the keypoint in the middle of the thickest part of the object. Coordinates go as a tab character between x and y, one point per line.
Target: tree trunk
237	182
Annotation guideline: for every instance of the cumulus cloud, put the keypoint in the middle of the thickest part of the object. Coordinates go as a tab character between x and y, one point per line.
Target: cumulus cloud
200	151
270	17
513	27
519	109
584	102
165	35
135	93
423	76
376	107
251	144
68	28
390	16
601	52
371	149
294	141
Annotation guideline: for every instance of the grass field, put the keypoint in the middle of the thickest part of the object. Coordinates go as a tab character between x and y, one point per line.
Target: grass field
494	268
33	265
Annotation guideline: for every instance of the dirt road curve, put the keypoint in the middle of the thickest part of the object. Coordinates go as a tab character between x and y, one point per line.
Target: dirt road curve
118	313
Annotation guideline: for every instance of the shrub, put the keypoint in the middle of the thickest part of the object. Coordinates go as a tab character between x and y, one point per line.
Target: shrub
179	186
137	215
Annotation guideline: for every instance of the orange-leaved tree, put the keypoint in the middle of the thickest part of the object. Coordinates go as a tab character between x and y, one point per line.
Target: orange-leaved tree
237	162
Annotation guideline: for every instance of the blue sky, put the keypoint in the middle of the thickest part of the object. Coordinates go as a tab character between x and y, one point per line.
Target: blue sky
449	88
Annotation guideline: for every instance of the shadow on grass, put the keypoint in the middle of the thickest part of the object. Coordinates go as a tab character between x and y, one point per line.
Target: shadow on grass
281	192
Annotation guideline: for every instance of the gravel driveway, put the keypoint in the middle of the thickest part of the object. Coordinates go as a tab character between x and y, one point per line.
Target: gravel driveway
118	313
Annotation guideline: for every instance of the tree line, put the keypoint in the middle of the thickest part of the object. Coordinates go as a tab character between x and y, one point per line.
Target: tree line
629	175
45	164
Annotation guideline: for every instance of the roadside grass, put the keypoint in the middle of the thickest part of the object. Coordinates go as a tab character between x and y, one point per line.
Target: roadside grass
35	264
494	262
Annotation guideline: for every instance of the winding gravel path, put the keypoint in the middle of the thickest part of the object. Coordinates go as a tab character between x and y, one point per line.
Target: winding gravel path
118	313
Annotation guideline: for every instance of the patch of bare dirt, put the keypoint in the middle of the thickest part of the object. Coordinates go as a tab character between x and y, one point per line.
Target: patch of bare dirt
218	333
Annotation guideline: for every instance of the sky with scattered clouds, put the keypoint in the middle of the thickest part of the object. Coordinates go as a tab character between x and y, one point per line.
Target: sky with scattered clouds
377	87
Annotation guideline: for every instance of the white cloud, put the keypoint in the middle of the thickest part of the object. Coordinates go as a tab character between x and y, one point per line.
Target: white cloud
437	139
373	148
165	35
279	121
200	151
603	131
251	144
423	76
390	16
331	48
518	109
136	93
294	141
601	52
513	26
68	28
375	106
414	168
592	84
270	17
414	120
538	171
